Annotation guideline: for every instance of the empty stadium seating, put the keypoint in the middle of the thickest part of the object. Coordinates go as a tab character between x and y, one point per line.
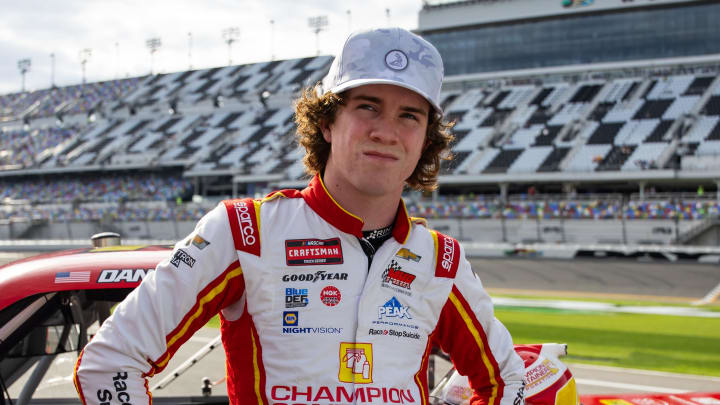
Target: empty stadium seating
239	119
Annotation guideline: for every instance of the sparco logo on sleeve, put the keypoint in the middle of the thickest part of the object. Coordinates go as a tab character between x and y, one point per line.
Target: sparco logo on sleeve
247	231
244	224
308	252
447	254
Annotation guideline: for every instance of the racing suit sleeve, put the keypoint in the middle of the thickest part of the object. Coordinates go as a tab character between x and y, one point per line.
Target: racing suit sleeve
479	345
201	276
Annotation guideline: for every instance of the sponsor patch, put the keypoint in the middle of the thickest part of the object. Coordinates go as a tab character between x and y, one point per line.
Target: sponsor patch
290	318
182	256
121	388
296	297
356	363
395	278
198	242
72	277
310	394
393	309
447	254
395	333
313	277
407	254
308	252
244	224
540	373
122	275
393	313
291	325
330	296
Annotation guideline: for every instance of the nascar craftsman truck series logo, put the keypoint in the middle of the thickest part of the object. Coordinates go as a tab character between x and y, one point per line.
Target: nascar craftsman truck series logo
308	252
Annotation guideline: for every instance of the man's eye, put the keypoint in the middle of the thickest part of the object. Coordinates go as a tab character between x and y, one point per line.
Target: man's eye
366	107
410	116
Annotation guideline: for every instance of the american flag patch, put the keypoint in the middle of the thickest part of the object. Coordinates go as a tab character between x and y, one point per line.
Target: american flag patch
72	277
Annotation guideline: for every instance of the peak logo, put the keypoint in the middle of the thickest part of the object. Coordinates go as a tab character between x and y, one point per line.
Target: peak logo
356	362
393	309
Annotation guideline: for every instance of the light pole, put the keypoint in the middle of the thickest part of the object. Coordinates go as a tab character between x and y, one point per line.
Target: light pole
52	70
84	56
153	44
272	40
189	50
387	15
24	67
230	35
318	24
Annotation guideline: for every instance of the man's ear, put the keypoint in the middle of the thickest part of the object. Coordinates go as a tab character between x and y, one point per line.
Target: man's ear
326	132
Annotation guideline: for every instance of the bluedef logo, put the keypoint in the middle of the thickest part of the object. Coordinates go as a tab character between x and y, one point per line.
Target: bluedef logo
296	297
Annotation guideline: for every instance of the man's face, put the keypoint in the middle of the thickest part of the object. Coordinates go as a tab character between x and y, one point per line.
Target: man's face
376	139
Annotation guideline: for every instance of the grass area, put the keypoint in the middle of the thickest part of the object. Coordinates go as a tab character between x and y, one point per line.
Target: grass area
713	307
214	322
654	342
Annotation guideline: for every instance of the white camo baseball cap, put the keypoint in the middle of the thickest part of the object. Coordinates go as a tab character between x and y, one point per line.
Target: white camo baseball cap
388	56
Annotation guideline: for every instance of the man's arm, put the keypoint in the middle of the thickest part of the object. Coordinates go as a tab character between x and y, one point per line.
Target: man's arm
478	344
201	277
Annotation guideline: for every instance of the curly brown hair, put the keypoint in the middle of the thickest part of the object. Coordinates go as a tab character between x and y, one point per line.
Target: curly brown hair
313	110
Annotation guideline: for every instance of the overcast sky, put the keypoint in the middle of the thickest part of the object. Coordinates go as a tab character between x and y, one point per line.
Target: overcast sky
116	32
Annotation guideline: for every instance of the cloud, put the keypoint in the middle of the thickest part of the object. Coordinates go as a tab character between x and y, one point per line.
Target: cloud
116	31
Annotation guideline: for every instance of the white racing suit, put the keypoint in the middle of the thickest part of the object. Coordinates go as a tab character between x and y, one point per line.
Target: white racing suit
303	319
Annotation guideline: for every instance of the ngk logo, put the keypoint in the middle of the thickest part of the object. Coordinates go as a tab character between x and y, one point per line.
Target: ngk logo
247	232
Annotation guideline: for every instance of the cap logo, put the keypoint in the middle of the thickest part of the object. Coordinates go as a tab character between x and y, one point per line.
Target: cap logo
396	60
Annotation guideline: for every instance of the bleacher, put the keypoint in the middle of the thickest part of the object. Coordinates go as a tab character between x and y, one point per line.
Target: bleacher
235	124
238	120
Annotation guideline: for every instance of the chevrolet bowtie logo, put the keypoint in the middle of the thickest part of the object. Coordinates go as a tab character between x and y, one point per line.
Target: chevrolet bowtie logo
408	255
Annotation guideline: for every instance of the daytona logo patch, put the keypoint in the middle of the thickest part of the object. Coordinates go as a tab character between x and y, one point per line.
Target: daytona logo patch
308	252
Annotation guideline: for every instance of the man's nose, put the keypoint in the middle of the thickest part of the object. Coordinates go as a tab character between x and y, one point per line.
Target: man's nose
385	129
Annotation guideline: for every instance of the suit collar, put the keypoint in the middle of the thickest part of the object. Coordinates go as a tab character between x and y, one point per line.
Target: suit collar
319	199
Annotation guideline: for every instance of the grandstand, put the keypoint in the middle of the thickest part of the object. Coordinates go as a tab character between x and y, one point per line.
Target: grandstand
620	141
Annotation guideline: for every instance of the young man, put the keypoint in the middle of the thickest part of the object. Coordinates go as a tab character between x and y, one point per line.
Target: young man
330	295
